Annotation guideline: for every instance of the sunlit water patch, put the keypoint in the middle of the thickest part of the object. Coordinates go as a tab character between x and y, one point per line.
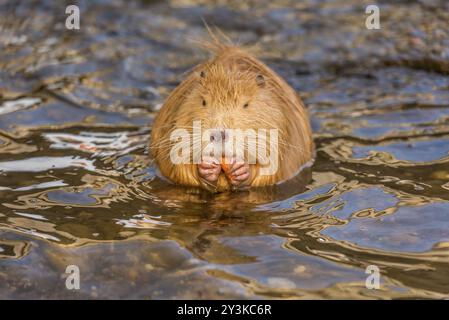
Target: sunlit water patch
78	184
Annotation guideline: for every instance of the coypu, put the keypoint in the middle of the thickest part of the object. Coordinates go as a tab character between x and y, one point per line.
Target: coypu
233	90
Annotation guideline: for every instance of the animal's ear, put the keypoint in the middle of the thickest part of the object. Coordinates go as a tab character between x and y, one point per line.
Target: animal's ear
260	80
202	74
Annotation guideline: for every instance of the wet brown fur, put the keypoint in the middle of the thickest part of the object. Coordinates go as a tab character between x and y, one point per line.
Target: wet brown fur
227	82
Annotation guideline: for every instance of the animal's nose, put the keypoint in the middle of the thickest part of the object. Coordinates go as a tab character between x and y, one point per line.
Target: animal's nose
218	135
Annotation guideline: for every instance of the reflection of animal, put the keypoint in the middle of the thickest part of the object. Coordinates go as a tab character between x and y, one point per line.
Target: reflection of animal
233	90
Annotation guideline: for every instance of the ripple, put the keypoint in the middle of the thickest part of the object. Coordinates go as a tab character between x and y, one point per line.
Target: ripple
410	229
39	164
10	249
19	104
78	184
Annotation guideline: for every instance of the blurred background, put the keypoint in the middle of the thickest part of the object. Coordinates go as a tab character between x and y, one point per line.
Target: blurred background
77	186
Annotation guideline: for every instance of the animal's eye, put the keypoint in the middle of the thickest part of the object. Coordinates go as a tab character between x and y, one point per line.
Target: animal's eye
246	105
204	103
260	80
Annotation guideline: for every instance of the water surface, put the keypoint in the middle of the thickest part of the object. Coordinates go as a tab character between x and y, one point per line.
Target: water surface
77	186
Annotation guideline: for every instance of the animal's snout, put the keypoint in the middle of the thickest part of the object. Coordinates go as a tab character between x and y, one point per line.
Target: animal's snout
218	135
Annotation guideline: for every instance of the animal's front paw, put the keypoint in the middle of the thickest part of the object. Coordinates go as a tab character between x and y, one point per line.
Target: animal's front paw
238	173
208	170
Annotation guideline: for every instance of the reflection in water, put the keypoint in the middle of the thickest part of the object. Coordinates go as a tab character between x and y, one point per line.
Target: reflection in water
77	183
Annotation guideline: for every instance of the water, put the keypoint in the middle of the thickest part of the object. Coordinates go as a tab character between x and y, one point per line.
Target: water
77	186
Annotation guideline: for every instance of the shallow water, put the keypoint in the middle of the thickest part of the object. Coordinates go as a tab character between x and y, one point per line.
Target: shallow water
77	186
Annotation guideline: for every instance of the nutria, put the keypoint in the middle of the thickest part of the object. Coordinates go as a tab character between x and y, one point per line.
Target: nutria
233	90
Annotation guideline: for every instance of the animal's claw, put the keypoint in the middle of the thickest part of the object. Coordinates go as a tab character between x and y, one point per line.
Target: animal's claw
209	169
238	173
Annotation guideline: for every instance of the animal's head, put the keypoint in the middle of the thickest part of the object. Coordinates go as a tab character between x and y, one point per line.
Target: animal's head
226	99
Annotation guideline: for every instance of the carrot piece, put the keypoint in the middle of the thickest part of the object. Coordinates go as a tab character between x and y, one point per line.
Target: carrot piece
225	167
